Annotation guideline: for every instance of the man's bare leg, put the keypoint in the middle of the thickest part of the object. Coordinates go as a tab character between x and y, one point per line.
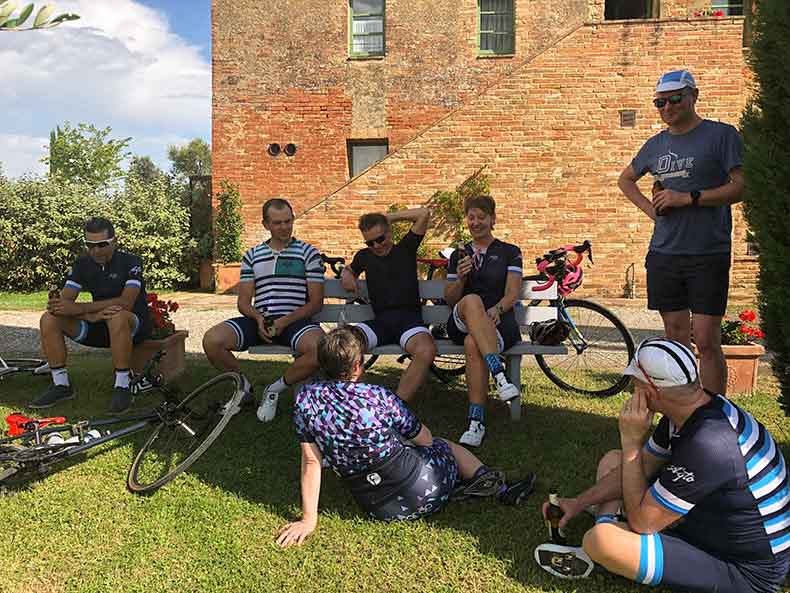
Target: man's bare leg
422	349
218	343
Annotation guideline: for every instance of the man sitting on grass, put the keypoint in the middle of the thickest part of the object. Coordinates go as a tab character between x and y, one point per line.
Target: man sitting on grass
706	496
117	318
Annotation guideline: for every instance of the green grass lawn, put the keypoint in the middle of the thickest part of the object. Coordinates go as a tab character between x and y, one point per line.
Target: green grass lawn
212	529
37	301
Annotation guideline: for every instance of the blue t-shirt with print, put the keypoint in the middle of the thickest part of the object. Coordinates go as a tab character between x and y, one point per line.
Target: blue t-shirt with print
697	160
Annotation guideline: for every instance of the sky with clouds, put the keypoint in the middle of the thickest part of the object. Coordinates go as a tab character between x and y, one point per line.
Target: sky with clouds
141	67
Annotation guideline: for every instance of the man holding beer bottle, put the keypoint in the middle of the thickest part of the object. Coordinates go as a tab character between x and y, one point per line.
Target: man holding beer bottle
286	278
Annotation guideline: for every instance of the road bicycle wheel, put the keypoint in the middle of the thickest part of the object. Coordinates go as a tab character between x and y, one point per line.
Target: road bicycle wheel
448	366
30	365
599	348
185	431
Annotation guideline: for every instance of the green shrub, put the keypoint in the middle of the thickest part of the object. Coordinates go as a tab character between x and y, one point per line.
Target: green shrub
766	133
41	223
152	224
228	224
447	208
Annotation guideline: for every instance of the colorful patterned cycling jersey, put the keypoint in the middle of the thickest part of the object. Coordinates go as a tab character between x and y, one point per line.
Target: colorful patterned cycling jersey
726	476
355	425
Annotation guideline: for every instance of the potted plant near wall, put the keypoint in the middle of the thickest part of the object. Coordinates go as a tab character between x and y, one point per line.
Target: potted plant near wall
164	336
228	226
741	352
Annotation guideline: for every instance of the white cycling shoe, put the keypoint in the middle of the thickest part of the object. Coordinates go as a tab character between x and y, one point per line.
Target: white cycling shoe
473	437
506	391
268	408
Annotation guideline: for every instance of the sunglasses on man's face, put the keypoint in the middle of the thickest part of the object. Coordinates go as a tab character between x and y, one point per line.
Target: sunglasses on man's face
672	100
377	241
99	244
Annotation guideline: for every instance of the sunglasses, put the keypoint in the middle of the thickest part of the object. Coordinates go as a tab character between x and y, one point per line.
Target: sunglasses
99	244
377	241
672	100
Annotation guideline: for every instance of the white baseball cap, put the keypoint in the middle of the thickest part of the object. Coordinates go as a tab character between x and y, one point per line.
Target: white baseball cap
675	80
666	363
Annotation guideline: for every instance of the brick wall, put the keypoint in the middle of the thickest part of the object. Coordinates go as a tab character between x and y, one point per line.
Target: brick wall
546	129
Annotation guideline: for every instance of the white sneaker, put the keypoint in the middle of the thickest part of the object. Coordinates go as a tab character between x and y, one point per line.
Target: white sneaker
505	390
474	436
268	408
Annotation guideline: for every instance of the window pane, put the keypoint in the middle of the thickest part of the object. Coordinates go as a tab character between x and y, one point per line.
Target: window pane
368	44
373	24
364	155
367	6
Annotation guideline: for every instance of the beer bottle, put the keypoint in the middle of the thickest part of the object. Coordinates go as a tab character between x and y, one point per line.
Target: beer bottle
54	292
268	324
553	516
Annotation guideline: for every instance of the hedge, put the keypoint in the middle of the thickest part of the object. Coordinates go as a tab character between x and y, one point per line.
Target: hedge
41	224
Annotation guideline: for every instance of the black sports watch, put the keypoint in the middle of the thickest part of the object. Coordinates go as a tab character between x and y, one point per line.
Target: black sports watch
695	196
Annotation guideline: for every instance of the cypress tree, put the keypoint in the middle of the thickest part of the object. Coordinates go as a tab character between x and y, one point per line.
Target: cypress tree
766	133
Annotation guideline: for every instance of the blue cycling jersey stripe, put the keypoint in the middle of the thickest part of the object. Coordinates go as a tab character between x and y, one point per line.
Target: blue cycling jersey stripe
72	284
780	544
772	478
669	501
655	450
132	282
731	412
778	523
751	433
776	502
764	456
640	574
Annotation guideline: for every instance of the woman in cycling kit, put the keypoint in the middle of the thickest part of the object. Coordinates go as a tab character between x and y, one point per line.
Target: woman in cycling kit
389	461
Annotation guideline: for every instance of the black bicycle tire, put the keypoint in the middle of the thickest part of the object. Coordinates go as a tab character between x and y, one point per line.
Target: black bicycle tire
452	371
545	362
24	364
132	482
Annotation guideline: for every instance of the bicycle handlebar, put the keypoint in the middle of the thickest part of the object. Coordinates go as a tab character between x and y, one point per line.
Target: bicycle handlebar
19	424
336	263
554	263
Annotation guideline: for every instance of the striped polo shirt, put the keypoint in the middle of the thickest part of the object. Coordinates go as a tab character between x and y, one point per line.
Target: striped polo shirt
727	477
281	277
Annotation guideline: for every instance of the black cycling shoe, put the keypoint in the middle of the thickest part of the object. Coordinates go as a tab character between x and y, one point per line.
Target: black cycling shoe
487	484
517	492
121	400
53	395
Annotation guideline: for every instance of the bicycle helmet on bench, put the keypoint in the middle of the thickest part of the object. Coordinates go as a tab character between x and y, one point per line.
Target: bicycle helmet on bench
549	333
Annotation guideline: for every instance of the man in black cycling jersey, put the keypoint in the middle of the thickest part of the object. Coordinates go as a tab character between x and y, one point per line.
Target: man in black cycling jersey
391	273
117	318
706	496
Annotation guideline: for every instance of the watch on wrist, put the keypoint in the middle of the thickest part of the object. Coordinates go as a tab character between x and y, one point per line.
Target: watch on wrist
695	196
499	308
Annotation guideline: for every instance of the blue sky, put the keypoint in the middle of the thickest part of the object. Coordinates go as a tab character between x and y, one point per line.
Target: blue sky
142	67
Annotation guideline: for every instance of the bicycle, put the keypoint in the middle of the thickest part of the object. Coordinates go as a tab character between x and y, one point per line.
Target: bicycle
183	429
10	366
599	345
445	367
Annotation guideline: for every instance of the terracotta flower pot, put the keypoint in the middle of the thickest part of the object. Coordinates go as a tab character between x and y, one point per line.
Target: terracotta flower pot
742	363
174	361
226	278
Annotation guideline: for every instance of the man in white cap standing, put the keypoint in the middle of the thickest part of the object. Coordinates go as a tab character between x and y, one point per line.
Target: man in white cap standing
699	164
706	496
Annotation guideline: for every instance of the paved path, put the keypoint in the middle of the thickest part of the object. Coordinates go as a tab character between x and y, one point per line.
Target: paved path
199	311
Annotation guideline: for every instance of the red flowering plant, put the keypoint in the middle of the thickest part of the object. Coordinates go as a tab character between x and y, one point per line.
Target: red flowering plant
160	316
742	330
708	12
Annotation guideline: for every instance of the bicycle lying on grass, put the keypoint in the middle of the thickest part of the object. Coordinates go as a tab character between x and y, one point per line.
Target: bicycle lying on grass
182	429
10	366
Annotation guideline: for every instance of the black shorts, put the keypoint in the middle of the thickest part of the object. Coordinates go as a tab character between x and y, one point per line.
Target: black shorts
415	482
670	560
246	330
698	283
508	332
395	326
96	334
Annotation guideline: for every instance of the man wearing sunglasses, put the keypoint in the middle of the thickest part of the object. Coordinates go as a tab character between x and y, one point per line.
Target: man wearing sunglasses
699	165
391	273
705	494
117	318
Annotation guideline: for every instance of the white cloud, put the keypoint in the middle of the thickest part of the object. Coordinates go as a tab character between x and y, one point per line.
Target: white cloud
120	65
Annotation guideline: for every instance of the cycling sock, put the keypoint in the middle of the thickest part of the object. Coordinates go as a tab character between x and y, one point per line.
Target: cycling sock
278	386
60	376
122	378
494	365
477	412
606	518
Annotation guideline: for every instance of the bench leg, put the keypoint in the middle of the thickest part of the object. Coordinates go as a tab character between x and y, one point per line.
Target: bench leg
513	372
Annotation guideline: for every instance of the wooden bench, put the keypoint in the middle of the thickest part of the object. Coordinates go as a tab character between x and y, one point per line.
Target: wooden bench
333	313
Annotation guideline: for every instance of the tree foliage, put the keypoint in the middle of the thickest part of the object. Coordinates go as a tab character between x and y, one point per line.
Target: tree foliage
43	19
86	155
144	170
766	132
228	225
190	159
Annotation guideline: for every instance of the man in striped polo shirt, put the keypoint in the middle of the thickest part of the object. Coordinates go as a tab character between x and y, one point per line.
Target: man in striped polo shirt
285	277
706	496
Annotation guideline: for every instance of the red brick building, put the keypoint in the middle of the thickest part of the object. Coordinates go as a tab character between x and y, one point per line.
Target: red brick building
553	98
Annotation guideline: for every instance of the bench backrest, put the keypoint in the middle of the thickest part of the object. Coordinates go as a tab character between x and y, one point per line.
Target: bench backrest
431	314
